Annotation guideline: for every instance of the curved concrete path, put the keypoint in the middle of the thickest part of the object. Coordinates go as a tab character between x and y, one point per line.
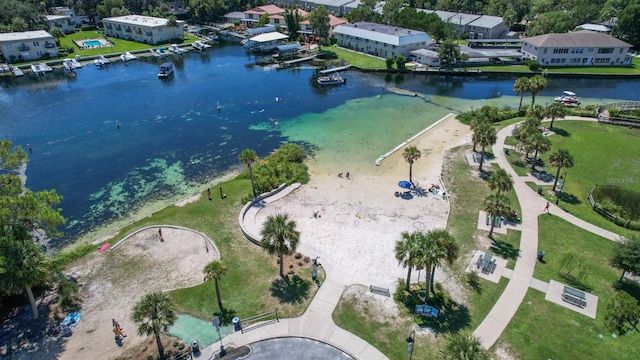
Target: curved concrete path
532	206
316	322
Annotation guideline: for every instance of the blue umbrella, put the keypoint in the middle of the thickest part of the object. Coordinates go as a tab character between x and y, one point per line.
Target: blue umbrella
404	184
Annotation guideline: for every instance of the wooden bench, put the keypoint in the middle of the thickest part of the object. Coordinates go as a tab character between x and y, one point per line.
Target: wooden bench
574	297
426	310
379	290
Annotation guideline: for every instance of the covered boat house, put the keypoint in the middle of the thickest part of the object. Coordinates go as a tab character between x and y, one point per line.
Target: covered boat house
265	42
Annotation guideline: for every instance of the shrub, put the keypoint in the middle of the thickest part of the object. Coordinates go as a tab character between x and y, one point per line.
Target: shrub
307	259
300	263
88	28
327	55
390	62
473	280
533	65
290	266
298	256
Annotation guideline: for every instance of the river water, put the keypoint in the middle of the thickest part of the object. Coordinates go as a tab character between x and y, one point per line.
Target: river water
119	143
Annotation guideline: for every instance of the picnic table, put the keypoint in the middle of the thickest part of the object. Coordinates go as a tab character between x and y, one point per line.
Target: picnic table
486	264
574	297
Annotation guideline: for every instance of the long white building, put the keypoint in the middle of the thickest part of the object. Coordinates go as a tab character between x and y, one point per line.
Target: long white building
143	29
576	49
380	40
27	45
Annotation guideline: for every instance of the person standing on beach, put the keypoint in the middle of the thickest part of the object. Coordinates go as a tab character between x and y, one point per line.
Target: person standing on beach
160	233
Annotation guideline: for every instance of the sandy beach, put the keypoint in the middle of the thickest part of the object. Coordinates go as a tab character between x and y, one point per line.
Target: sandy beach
360	218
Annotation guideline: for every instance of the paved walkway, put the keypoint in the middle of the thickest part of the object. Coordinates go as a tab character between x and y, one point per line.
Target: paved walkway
532	206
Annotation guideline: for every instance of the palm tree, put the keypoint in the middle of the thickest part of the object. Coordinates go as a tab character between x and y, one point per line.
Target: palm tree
215	270
525	131
410	155
540	144
154	313
537	112
521	86
485	135
429	254
536	84
279	236
500	180
559	159
172	22
496	205
461	346
248	157
447	242
25	266
406	250
555	110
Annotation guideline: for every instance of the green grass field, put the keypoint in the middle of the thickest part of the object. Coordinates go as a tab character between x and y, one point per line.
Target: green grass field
560	333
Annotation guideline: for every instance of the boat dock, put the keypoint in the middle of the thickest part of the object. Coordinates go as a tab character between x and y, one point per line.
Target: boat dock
403	144
306	58
334	69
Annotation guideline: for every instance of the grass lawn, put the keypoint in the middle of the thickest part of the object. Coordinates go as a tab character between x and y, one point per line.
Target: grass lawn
560	333
358	59
251	285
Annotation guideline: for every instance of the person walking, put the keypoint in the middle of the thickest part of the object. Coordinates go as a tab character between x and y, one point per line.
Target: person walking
160	233
118	332
546	208
209	193
115	323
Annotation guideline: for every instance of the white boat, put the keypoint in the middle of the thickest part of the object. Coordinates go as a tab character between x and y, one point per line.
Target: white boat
101	61
68	65
127	56
162	52
568	98
200	46
333	79
174	48
38	69
154	53
76	62
16	71
165	70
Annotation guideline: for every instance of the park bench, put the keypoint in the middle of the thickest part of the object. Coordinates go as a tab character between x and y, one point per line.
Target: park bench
426	310
574	297
379	290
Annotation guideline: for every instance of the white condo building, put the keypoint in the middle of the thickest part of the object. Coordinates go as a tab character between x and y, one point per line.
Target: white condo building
27	45
380	40
142	29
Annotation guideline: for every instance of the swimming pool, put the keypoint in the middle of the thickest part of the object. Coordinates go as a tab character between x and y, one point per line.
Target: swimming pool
92	43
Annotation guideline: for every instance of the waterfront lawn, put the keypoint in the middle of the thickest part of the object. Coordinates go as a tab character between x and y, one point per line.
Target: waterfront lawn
358	59
119	45
561	333
633	69
602	156
246	287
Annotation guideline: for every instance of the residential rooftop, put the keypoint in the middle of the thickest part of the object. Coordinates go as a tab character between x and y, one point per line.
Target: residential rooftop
138	20
25	35
584	38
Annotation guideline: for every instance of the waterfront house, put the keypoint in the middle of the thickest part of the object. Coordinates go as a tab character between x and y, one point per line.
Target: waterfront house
66	23
474	26
142	29
307	30
380	40
252	16
427	57
178	8
27	46
581	48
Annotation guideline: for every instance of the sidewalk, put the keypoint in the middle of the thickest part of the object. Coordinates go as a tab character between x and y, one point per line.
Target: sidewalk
532	206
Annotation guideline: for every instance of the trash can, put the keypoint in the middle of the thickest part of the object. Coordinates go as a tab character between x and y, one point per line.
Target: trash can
540	255
195	346
539	190
236	324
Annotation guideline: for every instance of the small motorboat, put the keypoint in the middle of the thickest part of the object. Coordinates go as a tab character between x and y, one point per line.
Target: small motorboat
127	56
200	45
101	61
568	98
333	79
68	65
165	70
175	49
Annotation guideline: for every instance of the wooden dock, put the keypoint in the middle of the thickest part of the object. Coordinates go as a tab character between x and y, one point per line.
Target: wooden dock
294	61
334	69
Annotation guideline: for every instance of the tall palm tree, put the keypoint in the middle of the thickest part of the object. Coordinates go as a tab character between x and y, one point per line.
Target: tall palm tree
172	22
24	266
406	250
537	112
500	180
525	131
411	155
536	84
485	135
462	346
554	111
154	313
429	254
248	157
215	270
496	205
521	86
559	159
447	242
540	144
279	236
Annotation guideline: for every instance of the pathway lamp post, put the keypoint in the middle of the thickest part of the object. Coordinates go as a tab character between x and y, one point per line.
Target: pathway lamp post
410	340
216	323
